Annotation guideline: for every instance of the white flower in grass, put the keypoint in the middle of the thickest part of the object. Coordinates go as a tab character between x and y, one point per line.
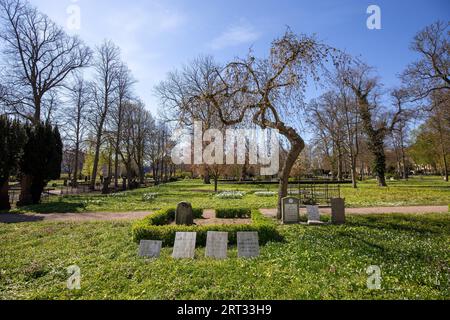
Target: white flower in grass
150	197
229	195
265	194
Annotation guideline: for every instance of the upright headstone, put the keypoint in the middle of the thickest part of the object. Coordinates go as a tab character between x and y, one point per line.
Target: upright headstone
150	249
313	213
248	244
184	247
291	210
338	211
217	245
184	214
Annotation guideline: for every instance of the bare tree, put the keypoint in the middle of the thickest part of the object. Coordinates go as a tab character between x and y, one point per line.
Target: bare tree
107	66
328	122
177	92
270	91
40	56
400	98
124	85
75	122
432	72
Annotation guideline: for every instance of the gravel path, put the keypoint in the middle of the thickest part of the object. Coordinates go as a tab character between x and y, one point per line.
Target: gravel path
376	210
129	216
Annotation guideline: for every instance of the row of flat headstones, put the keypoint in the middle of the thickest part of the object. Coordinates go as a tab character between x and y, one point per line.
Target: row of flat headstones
216	245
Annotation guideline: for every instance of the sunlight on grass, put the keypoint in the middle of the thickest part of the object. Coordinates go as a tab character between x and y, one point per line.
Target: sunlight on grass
313	263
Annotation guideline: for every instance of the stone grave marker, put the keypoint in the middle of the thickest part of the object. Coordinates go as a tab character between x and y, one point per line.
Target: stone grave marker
338	211
184	214
217	245
150	249
248	244
291	210
314	216
184	247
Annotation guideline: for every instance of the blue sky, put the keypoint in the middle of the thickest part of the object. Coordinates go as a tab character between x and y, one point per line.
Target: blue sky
158	36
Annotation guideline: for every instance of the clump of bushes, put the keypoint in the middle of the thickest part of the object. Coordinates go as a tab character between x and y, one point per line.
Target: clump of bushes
231	195
157	227
233	213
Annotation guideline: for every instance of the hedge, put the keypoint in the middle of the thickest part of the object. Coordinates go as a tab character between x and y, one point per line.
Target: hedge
167	216
155	227
236	213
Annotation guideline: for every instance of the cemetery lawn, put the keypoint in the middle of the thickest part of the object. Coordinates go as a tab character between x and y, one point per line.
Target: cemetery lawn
416	191
313	263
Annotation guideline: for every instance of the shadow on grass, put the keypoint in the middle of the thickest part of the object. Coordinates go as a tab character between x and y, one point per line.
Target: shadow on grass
18	218
401	223
53	207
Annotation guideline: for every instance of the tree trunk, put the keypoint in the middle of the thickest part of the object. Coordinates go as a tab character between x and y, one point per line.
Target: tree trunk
96	161
4	196
444	158
297	146
444	153
354	174
376	140
216	184
207	176
75	172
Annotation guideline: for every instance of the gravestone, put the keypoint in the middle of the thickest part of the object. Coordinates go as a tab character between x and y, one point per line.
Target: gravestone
184	214
314	216
150	249
217	245
291	210
248	244
184	247
338	211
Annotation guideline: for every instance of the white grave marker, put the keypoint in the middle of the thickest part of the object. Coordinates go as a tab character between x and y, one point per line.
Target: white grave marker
248	244
184	247
150	249
217	245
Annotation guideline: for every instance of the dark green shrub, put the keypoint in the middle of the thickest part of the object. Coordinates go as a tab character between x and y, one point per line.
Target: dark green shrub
198	213
155	227
233	213
40	162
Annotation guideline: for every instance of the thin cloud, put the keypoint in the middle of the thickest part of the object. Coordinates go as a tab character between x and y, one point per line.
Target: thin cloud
235	35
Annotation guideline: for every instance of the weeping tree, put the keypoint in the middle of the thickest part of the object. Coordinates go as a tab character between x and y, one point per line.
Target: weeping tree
40	162
270	91
12	139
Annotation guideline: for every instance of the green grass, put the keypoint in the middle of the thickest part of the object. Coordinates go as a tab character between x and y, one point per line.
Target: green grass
426	191
314	263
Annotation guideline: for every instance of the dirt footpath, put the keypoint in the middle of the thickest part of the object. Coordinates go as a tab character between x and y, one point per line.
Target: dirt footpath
209	215
376	210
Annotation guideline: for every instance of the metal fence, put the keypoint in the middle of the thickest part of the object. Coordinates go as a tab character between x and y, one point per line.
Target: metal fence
14	195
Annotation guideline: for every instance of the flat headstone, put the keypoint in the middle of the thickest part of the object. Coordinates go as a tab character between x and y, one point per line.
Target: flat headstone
150	249
291	210
184	214
248	244
338	211
313	213
184	247
217	245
